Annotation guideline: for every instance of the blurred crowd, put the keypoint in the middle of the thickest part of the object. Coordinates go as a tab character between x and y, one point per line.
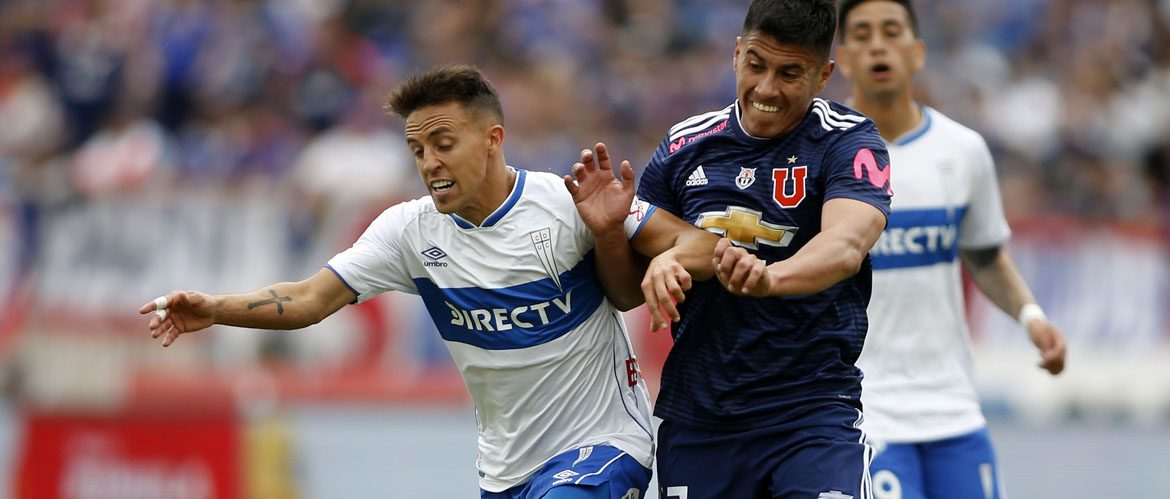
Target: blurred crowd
108	97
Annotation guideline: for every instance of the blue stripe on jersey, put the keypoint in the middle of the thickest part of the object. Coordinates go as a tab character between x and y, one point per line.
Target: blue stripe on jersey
518	316
918	238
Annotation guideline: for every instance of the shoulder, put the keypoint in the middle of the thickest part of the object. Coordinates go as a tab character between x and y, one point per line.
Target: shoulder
545	192
832	119
396	218
543	187
697	127
948	130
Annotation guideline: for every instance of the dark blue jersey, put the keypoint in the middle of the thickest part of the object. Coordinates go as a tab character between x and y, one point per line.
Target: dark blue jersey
740	362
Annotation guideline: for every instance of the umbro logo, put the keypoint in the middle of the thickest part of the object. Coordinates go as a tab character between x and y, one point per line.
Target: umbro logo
564	477
697	177
434	254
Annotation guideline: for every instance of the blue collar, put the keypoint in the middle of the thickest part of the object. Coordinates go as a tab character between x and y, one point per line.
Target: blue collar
503	209
918	131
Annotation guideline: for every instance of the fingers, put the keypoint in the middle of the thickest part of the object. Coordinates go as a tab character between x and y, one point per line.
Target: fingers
755	273
738	270
158	303
603	157
587	161
571	184
652	304
721	247
1053	356
162	323
727	258
667	299
627	174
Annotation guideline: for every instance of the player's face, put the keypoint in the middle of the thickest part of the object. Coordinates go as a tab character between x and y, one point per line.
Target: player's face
452	150
879	51
775	83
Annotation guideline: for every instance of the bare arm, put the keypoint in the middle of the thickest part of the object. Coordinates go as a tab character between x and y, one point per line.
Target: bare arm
681	252
849	228
603	202
996	276
286	305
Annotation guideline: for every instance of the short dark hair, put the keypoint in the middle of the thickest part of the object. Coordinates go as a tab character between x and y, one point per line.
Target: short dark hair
848	5
807	23
460	83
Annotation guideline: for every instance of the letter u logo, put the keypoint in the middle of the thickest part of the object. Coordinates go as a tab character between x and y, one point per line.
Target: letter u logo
780	191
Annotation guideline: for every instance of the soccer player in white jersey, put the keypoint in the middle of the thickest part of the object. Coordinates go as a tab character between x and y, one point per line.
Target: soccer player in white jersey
504	260
917	394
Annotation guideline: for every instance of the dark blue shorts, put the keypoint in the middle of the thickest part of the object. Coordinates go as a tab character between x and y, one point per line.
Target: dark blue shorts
961	467
606	471
822	457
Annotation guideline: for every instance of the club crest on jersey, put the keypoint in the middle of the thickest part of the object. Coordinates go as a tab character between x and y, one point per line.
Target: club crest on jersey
543	244
785	196
746	177
745	227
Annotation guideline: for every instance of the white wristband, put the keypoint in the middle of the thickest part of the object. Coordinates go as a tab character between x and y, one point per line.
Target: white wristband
1029	313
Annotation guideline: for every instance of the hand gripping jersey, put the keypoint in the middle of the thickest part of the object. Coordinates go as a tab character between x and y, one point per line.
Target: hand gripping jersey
545	356
740	362
917	358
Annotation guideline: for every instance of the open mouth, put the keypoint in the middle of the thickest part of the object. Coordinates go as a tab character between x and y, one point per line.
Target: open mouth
441	186
880	70
765	108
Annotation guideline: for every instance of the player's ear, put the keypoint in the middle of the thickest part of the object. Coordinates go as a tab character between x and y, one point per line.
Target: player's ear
495	138
826	72
735	55
843	59
918	55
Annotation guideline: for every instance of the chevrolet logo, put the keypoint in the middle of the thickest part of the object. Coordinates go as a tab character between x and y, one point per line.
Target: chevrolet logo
744	227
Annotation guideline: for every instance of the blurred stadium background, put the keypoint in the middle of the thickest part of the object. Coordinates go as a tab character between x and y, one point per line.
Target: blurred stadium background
149	145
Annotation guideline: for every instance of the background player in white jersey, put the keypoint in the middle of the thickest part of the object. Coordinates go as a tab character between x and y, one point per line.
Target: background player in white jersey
505	264
917	393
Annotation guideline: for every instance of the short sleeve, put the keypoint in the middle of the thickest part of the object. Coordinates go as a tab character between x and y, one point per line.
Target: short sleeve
655	186
984	224
374	264
857	166
640	212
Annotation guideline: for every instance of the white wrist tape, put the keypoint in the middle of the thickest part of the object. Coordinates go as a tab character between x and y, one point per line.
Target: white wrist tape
1029	313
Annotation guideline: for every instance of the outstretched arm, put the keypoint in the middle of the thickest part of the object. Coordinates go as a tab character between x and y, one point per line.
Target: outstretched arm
603	202
849	228
286	305
995	274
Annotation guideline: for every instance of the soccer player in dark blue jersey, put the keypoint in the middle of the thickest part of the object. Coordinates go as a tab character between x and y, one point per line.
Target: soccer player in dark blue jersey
760	397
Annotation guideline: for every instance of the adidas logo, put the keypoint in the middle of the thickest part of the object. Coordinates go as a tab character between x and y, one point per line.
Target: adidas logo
697	177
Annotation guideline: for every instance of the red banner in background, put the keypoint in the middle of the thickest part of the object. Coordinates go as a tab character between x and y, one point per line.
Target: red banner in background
130	456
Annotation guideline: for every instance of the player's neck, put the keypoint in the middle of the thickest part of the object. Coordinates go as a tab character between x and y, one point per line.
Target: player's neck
493	192
893	117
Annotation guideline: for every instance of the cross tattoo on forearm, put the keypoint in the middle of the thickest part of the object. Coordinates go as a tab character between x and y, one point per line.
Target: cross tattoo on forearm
275	299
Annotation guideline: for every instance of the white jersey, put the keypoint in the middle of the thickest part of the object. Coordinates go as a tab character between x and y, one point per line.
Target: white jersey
546	358
917	355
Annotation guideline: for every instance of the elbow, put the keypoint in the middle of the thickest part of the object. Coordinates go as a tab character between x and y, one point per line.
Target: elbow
851	262
626	304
